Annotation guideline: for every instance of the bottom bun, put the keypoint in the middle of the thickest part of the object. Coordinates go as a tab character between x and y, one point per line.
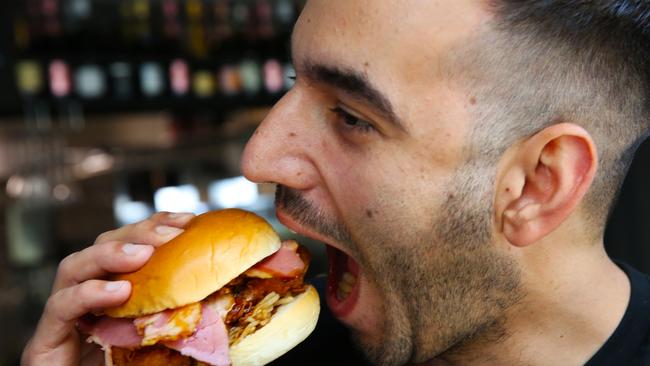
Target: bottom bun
290	325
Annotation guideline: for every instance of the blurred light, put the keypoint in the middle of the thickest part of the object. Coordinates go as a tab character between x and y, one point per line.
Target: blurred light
121	75
16	186
233	192
151	79
183	198
273	76
29	187
60	82
251	77
204	84
61	192
129	212
180	77
96	162
285	11
50	7
194	9
90	81
229	80
29	77
38	188
81	8
240	13
170	8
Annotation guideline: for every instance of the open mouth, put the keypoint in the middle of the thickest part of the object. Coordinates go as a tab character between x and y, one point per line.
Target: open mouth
342	282
344	275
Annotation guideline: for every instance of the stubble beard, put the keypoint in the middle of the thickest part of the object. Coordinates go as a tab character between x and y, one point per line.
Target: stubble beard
449	290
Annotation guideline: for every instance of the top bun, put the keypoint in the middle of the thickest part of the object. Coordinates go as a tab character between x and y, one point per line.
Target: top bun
214	249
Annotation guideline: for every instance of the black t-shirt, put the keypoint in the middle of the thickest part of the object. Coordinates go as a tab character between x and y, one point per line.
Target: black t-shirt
629	345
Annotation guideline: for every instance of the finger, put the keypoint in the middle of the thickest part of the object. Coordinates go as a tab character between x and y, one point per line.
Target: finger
100	260
174	219
156	230
67	305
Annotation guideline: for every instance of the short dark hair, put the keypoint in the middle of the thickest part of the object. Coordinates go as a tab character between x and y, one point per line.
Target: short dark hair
580	61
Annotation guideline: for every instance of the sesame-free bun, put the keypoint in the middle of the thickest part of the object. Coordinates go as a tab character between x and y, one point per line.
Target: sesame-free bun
215	248
290	325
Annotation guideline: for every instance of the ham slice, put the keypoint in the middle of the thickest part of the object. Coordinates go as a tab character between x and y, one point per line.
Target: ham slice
210	341
208	344
107	331
286	262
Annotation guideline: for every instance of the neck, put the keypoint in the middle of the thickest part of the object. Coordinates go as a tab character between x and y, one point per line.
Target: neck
574	301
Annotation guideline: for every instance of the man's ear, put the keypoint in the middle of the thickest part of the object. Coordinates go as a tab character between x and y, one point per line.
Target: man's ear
542	180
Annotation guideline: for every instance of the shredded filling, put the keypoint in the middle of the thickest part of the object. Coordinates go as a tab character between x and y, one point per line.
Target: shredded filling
255	302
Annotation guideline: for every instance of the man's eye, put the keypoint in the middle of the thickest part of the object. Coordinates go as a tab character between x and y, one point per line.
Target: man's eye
351	122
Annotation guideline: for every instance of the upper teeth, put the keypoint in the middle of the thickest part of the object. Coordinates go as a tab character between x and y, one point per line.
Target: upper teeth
349	278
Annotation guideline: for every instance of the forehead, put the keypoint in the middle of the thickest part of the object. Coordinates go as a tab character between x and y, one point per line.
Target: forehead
399	45
412	35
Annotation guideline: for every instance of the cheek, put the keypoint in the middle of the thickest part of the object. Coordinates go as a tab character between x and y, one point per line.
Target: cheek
382	193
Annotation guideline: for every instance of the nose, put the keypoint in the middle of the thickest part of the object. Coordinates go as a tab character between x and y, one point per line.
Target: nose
280	150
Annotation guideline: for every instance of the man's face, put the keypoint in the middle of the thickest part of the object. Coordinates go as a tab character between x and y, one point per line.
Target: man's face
369	152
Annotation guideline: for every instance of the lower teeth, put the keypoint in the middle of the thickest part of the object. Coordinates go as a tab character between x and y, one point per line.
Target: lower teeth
345	286
340	295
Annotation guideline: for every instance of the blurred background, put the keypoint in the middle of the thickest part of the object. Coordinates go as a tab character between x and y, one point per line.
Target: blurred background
111	110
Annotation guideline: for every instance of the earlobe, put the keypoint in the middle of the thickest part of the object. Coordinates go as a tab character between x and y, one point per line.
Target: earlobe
543	181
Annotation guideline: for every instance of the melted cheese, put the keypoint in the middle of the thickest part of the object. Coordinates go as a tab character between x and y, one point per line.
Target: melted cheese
169	325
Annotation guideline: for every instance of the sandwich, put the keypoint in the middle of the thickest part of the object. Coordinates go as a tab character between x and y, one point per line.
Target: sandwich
226	291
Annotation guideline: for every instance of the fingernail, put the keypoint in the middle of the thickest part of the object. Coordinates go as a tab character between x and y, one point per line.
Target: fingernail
114	286
167	230
133	249
181	215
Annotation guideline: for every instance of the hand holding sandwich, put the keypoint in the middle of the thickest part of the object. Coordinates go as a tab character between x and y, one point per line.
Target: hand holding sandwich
223	291
79	289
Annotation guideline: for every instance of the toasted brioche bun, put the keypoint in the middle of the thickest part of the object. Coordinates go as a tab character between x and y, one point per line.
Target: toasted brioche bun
214	248
290	325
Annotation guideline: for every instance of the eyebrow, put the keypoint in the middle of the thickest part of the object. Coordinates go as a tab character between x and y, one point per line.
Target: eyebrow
354	84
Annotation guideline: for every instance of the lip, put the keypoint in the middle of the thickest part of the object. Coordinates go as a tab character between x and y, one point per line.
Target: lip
290	223
340	309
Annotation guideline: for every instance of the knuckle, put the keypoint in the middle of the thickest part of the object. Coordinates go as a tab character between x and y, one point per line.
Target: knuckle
159	216
106	254
67	264
52	307
145	225
82	294
105	236
112	258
